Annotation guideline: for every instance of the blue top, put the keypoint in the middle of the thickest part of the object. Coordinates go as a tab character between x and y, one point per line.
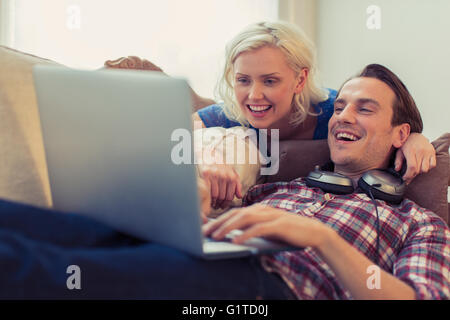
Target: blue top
213	116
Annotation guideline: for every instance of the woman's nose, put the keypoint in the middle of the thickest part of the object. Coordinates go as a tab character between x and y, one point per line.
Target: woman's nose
256	92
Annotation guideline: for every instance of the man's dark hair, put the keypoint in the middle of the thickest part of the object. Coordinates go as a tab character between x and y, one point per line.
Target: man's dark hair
404	107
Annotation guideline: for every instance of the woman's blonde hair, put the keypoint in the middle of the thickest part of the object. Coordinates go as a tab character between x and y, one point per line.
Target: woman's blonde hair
299	52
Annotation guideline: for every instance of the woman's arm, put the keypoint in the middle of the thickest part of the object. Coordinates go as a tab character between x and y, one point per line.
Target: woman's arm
420	156
136	63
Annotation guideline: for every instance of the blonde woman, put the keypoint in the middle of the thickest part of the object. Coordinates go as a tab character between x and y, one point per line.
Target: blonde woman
269	81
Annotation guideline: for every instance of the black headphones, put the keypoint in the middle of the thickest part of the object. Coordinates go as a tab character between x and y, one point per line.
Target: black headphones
383	184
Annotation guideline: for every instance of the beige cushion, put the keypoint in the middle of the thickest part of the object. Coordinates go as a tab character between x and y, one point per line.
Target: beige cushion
23	170
215	144
298	158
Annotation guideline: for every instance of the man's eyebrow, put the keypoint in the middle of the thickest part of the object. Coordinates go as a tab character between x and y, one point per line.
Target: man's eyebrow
368	100
359	101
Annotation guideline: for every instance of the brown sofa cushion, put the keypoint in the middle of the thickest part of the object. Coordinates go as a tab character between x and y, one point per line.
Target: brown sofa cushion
298	158
23	169
430	190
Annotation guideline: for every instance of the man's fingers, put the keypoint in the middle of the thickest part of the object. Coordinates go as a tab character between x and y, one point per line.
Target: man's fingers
242	219
219	228
264	229
213	225
232	223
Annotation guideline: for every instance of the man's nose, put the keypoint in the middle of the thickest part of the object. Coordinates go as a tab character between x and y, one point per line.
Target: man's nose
347	115
256	92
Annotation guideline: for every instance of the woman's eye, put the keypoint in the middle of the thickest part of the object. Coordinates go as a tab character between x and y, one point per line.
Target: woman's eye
270	81
242	80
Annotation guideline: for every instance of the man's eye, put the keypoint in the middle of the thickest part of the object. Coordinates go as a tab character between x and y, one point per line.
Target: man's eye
338	109
365	110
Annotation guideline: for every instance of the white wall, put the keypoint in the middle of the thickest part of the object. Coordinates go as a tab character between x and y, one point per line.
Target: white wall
184	37
301	12
413	41
6	19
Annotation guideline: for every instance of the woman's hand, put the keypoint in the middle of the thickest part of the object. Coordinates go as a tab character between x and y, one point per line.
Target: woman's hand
136	63
420	156
132	62
263	221
224	183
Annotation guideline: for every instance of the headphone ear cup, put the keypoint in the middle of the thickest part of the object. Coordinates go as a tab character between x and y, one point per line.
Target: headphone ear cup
383	185
329	187
329	182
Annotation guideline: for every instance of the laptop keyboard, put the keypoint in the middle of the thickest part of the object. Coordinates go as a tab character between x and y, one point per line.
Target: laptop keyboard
212	246
227	238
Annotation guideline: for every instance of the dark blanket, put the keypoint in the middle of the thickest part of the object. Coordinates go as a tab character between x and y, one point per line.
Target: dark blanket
45	254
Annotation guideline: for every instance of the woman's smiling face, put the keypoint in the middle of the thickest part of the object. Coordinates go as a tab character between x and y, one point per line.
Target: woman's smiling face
264	86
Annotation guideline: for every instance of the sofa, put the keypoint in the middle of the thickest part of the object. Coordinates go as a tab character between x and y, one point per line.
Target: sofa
23	169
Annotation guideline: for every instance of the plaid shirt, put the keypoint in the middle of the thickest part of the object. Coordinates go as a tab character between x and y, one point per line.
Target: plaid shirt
414	242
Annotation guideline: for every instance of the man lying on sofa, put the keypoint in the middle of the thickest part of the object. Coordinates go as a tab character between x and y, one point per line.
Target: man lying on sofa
341	235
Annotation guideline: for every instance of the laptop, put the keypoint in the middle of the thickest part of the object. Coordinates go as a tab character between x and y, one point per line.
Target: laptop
108	138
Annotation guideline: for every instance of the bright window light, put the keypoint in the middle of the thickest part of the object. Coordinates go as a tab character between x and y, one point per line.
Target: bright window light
185	38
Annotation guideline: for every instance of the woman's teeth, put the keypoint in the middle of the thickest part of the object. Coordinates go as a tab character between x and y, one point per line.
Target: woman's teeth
259	108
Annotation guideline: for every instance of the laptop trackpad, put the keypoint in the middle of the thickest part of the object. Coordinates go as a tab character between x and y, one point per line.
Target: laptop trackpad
219	246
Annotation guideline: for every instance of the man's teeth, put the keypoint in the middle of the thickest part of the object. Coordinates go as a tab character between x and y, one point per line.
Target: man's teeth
347	136
259	108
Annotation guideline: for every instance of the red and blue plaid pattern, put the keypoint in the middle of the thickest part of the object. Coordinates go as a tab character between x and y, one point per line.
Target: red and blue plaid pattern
414	242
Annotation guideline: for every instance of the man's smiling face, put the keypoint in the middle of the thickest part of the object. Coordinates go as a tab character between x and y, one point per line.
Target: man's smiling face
360	134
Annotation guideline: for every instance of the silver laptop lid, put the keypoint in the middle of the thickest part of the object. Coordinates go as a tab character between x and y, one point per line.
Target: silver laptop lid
107	137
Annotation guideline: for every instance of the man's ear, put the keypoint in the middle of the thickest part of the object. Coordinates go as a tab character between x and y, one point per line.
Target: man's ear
301	80
401	134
